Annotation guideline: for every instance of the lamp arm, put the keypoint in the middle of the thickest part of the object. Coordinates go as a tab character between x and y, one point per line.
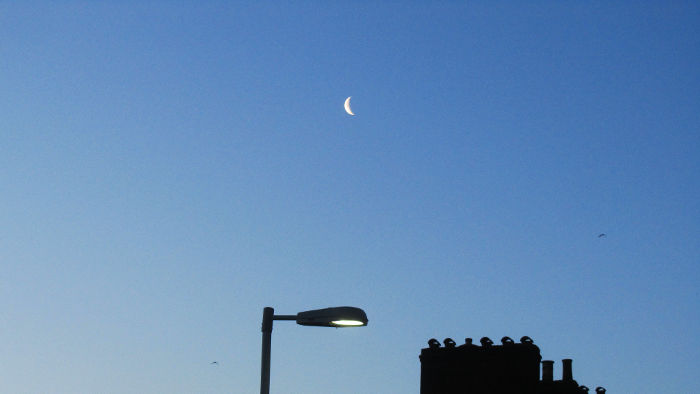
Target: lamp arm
284	317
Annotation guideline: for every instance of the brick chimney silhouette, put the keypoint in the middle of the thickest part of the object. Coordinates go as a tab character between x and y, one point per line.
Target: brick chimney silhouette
509	368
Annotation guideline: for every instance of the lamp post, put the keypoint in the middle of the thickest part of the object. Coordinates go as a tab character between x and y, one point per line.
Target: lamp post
341	316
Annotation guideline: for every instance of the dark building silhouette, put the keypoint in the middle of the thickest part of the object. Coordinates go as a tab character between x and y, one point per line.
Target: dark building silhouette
508	368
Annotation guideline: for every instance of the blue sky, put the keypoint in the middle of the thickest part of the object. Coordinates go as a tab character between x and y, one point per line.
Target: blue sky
168	169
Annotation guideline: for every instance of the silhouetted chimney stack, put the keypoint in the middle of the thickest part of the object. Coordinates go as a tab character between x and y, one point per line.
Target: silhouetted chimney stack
507	368
547	370
566	374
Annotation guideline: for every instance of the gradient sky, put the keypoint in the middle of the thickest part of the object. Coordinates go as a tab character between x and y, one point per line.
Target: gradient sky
168	169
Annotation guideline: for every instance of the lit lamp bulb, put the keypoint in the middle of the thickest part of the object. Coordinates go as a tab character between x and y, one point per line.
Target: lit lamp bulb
347	323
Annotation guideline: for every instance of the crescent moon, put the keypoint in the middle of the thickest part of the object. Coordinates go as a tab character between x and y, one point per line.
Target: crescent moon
347	106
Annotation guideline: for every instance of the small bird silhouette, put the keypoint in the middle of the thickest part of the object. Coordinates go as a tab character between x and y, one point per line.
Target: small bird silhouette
602	235
214	363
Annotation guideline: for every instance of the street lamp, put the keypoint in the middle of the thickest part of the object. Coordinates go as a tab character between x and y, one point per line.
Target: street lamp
341	316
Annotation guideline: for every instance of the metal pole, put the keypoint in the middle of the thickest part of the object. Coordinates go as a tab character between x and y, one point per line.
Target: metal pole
268	314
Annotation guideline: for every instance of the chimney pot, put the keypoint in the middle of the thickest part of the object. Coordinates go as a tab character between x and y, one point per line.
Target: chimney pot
547	370
566	375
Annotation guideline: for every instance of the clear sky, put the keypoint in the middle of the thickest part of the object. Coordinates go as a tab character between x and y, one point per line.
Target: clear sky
169	168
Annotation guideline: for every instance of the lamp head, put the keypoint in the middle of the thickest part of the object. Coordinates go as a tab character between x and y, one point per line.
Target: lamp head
341	316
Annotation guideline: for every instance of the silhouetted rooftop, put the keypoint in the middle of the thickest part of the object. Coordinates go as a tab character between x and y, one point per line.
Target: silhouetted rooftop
508	368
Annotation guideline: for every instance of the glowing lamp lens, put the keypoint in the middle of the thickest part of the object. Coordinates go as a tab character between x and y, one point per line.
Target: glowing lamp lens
347	323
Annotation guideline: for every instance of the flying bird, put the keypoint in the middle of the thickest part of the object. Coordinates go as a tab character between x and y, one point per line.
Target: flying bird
214	363
602	235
